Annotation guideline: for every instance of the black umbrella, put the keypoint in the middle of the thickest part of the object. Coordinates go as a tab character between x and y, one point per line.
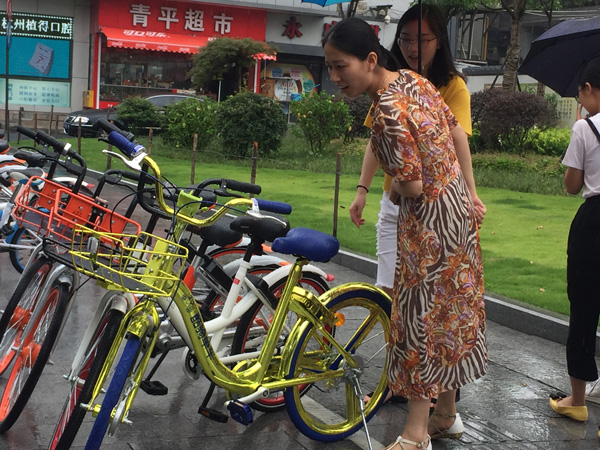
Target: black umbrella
556	57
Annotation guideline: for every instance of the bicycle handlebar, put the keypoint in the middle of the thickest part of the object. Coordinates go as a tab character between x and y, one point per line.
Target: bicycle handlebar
273	206
135	150
109	127
60	148
224	184
26	132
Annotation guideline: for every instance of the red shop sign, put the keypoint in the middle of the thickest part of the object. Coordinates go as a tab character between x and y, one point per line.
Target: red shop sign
198	19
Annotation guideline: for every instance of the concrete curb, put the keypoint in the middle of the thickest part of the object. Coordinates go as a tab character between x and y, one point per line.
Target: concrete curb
503	311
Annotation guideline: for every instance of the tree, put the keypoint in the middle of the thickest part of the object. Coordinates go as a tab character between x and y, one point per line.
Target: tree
351	11
516	9
224	55
245	118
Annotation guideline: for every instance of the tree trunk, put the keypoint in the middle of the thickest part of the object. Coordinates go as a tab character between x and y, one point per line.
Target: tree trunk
516	9
513	54
541	89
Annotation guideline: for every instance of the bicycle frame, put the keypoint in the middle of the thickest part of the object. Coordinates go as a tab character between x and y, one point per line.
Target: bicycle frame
249	382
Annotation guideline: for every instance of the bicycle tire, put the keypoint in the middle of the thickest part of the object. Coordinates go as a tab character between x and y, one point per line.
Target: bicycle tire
72	414
113	392
18	309
20	257
36	346
225	255
310	281
368	324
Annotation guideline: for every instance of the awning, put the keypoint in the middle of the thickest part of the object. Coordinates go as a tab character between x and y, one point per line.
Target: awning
153	40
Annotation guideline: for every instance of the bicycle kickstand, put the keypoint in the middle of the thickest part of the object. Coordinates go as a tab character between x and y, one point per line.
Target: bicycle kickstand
358	392
155	387
210	412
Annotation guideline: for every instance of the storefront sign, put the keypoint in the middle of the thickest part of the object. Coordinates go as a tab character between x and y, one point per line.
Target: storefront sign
153	40
37	26
292	28
36	93
308	30
203	20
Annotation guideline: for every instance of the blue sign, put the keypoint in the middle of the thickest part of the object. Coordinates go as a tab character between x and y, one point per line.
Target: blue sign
37	57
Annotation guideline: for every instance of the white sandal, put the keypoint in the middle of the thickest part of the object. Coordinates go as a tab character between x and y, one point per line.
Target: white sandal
455	431
420	445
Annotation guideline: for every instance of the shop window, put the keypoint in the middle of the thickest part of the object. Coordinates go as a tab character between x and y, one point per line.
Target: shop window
127	72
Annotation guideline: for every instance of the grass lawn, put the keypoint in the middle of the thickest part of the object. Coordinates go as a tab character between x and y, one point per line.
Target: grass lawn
523	237
524	242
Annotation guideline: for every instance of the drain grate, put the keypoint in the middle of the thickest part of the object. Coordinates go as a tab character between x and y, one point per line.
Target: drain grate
482	434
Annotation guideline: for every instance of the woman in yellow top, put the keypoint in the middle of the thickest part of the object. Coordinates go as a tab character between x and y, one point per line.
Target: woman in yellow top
438	67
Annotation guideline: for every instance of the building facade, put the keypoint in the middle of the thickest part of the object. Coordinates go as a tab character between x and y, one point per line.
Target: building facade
70	54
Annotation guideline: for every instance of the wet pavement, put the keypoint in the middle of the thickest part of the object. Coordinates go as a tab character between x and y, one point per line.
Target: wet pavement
506	409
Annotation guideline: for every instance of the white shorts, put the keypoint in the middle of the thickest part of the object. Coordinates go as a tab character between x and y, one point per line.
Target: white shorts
387	237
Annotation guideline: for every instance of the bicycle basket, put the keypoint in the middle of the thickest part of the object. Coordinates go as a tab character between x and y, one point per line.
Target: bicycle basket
54	211
141	263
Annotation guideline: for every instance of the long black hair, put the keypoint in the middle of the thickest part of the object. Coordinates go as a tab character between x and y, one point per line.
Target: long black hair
590	73
356	37
442	68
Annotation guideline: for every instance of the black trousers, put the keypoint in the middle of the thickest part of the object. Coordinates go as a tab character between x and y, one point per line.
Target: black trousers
583	271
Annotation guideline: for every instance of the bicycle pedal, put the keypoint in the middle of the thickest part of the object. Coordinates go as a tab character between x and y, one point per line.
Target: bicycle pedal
154	387
213	414
240	412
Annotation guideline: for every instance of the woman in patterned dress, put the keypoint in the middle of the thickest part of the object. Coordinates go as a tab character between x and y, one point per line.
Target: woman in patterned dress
438	317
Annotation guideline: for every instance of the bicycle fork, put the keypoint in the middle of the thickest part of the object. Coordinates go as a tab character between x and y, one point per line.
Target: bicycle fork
142	321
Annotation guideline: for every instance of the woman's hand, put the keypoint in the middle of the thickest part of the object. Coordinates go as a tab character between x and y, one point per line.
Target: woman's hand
480	209
357	207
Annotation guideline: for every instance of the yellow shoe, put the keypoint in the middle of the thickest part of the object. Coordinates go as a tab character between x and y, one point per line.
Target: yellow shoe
578	413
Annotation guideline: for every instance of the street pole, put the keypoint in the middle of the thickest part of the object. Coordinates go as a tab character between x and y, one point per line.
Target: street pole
8	39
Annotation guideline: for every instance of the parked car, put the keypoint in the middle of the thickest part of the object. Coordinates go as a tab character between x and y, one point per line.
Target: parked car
89	117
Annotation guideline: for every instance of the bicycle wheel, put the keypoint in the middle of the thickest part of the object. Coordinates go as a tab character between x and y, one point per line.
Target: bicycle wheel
82	385
36	343
254	325
19	308
331	410
19	257
225	255
113	393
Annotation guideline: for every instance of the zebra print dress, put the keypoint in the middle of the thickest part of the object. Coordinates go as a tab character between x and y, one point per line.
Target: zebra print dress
438	316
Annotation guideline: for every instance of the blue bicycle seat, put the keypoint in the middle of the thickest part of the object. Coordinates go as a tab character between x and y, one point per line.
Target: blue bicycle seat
311	244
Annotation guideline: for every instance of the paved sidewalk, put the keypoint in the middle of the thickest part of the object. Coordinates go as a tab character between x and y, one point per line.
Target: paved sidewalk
506	409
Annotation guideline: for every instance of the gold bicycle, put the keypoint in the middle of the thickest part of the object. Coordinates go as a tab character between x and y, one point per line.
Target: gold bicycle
337	344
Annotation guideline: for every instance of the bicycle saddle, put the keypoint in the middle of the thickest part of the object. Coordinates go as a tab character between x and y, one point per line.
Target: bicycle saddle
26	171
32	159
311	244
266	227
219	233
